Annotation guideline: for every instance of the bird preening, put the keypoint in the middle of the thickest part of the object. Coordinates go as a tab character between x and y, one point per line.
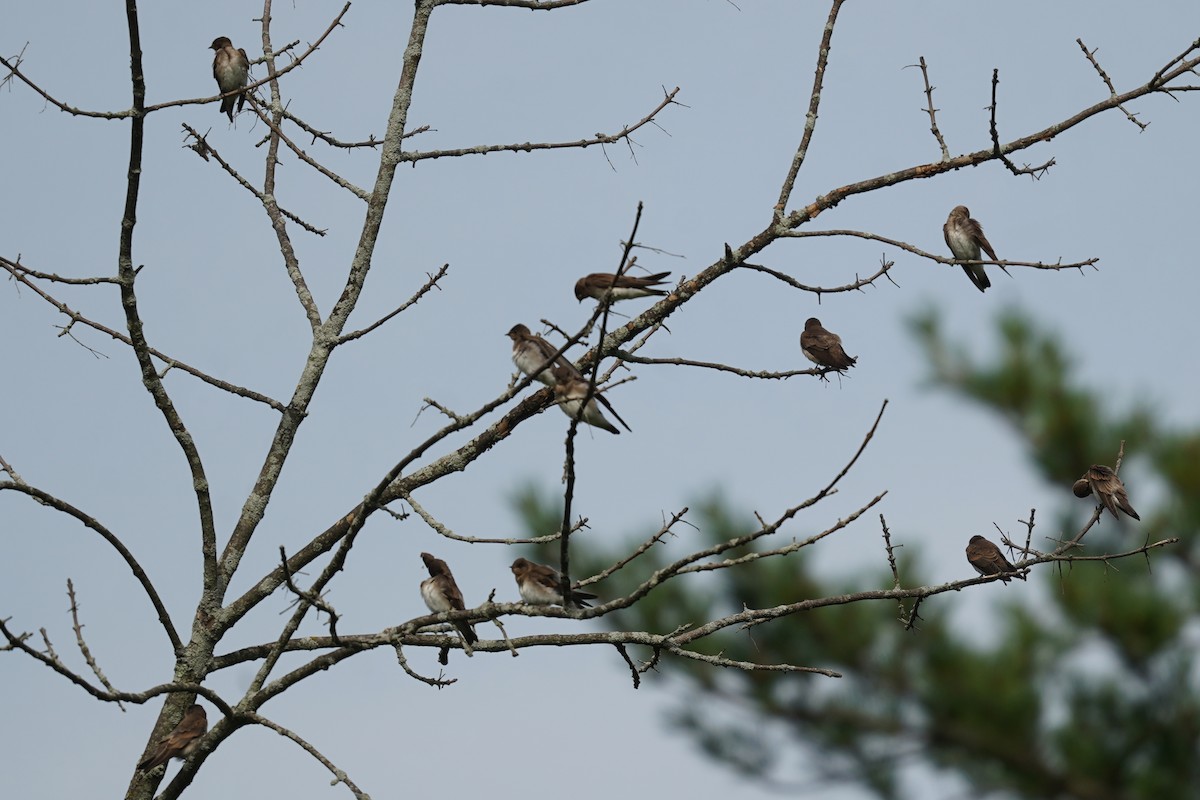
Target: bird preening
440	593
964	236
231	68
531	352
572	392
1110	493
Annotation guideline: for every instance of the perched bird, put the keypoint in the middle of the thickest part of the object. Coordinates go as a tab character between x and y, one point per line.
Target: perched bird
964	237
231	68
531	351
624	287
542	586
824	348
441	593
1110	492
987	559
570	392
180	742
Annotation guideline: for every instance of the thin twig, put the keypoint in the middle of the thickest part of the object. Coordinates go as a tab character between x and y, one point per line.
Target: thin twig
528	147
83	648
339	776
412	301
171	362
933	128
1034	172
810	120
1112	91
1058	265
887	543
442	530
310	597
438	682
684	362
637	679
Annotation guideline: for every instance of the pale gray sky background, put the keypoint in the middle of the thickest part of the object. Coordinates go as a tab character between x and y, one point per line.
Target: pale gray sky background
517	230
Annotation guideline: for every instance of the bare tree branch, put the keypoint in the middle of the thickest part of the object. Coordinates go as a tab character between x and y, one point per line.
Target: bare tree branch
684	362
143	579
1034	172
529	147
338	775
1112	91
810	121
83	648
141	110
172	363
412	301
931	111
1058	265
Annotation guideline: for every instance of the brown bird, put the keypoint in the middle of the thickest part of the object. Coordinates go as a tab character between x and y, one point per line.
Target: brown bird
824	348
531	351
180	742
1110	492
231	68
964	237
441	593
570	391
542	586
624	287
987	559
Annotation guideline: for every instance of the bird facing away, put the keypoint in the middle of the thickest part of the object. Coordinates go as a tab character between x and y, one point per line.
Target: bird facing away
231	68
441	593
542	586
1110	492
987	559
624	287
531	351
570	391
824	348
180	742
964	237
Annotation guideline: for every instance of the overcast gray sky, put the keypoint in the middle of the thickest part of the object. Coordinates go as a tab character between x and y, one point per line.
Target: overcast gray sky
517	230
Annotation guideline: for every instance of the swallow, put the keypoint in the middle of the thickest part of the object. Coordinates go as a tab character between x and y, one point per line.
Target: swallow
441	593
531	351
824	348
964	237
570	391
231	68
180	742
542	586
1110	492
987	559
624	287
